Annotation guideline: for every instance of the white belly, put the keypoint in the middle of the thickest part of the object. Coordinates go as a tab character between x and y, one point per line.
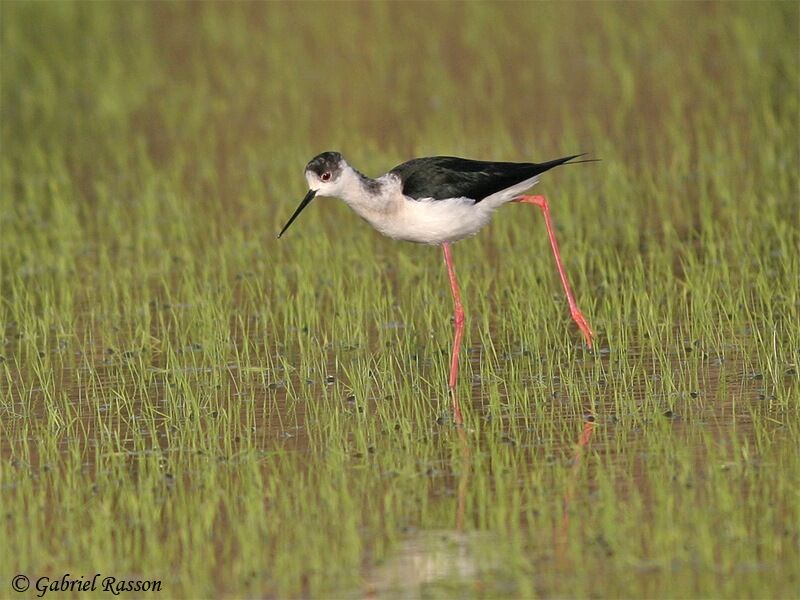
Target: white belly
433	221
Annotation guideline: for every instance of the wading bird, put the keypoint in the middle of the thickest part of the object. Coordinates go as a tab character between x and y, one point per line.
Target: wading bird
438	200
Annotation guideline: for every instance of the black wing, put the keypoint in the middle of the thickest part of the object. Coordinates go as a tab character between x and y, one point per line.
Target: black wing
440	177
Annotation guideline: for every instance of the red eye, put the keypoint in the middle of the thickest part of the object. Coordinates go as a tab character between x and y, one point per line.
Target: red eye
326	177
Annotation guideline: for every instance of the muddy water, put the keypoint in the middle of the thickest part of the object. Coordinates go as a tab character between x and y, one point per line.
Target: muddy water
727	394
597	418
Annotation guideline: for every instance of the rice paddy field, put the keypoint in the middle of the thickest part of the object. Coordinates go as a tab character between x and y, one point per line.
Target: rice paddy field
186	399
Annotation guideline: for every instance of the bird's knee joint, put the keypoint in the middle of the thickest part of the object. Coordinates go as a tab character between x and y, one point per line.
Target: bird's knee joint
536	200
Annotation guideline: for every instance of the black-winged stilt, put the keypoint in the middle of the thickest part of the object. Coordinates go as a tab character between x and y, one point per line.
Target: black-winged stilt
438	200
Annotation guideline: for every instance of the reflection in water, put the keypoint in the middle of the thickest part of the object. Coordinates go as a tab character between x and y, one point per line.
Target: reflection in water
432	556
463	480
426	558
583	443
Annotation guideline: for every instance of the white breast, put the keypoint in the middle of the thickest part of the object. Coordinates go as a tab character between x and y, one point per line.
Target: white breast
435	221
425	221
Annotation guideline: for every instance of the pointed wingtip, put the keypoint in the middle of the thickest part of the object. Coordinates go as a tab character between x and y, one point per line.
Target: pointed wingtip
571	161
565	160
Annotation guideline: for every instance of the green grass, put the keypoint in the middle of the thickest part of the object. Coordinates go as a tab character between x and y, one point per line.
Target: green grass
185	398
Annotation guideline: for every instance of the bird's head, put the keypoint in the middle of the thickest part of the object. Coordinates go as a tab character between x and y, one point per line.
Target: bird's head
324	173
327	174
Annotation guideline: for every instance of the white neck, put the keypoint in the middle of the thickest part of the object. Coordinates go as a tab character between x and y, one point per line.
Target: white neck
359	191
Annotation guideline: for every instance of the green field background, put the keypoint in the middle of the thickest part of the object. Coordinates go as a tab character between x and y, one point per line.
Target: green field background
183	397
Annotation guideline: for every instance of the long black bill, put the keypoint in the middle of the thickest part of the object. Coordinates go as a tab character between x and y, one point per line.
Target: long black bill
309	197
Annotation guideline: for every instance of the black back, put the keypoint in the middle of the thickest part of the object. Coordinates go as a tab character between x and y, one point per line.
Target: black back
440	177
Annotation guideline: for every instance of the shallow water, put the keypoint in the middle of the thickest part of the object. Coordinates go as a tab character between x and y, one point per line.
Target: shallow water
580	438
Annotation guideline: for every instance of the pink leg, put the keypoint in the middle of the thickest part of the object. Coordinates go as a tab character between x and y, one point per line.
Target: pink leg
459	320
577	315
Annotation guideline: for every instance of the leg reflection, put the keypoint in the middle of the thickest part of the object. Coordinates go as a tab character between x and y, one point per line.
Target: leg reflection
463	479
583	443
